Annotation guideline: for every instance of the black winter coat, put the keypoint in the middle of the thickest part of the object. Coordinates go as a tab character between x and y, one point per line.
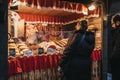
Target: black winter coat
115	60
116	42
76	61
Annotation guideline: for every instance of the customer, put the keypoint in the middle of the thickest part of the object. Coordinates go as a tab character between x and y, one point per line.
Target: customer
76	62
115	61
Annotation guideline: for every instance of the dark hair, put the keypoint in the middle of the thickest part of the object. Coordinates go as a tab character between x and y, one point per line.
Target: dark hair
84	24
116	18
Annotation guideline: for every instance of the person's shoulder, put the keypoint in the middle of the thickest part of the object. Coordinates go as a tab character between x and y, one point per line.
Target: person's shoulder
77	31
113	29
90	32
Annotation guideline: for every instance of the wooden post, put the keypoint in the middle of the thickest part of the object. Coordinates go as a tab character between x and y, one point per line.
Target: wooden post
3	39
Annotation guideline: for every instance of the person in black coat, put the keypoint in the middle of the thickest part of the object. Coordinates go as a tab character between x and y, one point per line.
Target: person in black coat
76	63
115	60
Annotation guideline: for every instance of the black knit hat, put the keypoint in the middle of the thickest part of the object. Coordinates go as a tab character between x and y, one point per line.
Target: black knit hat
84	24
116	18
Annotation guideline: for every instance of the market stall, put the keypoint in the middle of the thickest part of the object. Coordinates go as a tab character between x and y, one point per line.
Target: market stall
39	36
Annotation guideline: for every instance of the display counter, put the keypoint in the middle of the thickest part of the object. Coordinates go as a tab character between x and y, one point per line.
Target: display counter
44	66
27	64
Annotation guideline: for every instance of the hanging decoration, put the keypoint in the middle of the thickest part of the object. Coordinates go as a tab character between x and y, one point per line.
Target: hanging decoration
49	19
53	4
79	10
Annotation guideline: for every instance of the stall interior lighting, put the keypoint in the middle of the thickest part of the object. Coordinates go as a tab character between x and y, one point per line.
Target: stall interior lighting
44	24
24	3
16	3
38	7
92	7
85	13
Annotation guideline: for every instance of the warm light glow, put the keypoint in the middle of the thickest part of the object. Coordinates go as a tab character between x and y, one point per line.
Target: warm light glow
44	24
84	10
92	7
85	13
38	7
54	7
24	3
15	3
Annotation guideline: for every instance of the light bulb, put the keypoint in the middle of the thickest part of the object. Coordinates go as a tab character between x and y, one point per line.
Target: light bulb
92	7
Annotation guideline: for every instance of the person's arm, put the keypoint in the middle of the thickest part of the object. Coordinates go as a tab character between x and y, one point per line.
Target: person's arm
71	45
91	41
113	36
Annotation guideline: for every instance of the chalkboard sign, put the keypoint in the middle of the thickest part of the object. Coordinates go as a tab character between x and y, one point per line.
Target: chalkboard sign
12	52
40	50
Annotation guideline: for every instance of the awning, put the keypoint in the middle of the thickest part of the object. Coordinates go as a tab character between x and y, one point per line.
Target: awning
49	19
52	4
53	11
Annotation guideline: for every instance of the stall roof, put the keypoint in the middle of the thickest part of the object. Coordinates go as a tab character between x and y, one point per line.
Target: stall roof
43	11
60	11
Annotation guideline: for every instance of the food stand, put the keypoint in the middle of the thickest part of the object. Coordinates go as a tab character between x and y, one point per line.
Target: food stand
42	24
